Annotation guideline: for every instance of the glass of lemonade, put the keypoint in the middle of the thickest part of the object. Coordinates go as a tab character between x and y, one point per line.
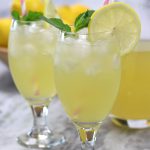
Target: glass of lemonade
31	48
87	78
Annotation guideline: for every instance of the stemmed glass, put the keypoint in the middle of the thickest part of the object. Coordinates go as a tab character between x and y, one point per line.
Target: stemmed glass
31	48
87	76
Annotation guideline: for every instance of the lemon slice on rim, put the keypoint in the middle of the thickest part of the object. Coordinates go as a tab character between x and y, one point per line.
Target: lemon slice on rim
117	19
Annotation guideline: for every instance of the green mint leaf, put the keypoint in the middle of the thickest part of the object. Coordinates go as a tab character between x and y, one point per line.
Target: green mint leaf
32	16
58	23
15	15
83	20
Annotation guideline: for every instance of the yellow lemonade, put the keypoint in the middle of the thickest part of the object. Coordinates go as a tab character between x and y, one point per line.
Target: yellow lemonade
87	79
133	100
31	62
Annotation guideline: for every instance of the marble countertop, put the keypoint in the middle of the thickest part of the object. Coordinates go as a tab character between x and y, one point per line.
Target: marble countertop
16	118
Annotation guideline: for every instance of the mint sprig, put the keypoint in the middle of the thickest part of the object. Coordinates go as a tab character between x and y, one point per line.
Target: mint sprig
58	23
15	15
35	16
81	21
32	16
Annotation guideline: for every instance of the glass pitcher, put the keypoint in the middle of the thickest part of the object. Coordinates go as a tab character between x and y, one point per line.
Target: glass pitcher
132	108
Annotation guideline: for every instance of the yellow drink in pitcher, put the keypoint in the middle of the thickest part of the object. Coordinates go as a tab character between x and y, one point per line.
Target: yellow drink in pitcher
133	100
31	62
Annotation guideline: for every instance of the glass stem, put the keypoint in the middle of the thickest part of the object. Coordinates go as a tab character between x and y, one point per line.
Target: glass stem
88	137
40	113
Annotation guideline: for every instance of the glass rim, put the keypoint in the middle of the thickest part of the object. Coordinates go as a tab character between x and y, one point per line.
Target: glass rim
105	33
85	38
80	35
101	36
24	21
15	24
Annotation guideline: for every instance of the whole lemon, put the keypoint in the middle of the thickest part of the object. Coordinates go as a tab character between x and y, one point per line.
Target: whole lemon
16	5
66	14
5	24
30	5
78	9
35	5
69	13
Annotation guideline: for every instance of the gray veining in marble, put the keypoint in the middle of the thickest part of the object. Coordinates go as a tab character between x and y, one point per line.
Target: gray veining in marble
16	118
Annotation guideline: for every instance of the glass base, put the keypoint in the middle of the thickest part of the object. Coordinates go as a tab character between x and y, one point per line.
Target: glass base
40	141
131	124
87	132
87	125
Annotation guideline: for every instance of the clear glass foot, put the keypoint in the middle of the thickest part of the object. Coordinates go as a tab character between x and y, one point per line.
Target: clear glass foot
40	135
131	124
87	132
43	139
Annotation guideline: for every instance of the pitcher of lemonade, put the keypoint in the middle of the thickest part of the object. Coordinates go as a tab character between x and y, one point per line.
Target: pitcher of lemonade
132	108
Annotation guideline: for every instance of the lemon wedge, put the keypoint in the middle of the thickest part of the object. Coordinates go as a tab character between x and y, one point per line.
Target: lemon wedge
117	19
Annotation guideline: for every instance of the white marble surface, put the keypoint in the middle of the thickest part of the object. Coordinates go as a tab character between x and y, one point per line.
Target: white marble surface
16	118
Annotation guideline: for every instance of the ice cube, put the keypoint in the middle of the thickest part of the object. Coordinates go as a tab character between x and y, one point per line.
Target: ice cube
93	69
29	49
116	61
35	27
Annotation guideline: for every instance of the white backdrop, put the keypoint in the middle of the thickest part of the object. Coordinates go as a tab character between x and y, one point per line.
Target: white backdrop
94	4
5	4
